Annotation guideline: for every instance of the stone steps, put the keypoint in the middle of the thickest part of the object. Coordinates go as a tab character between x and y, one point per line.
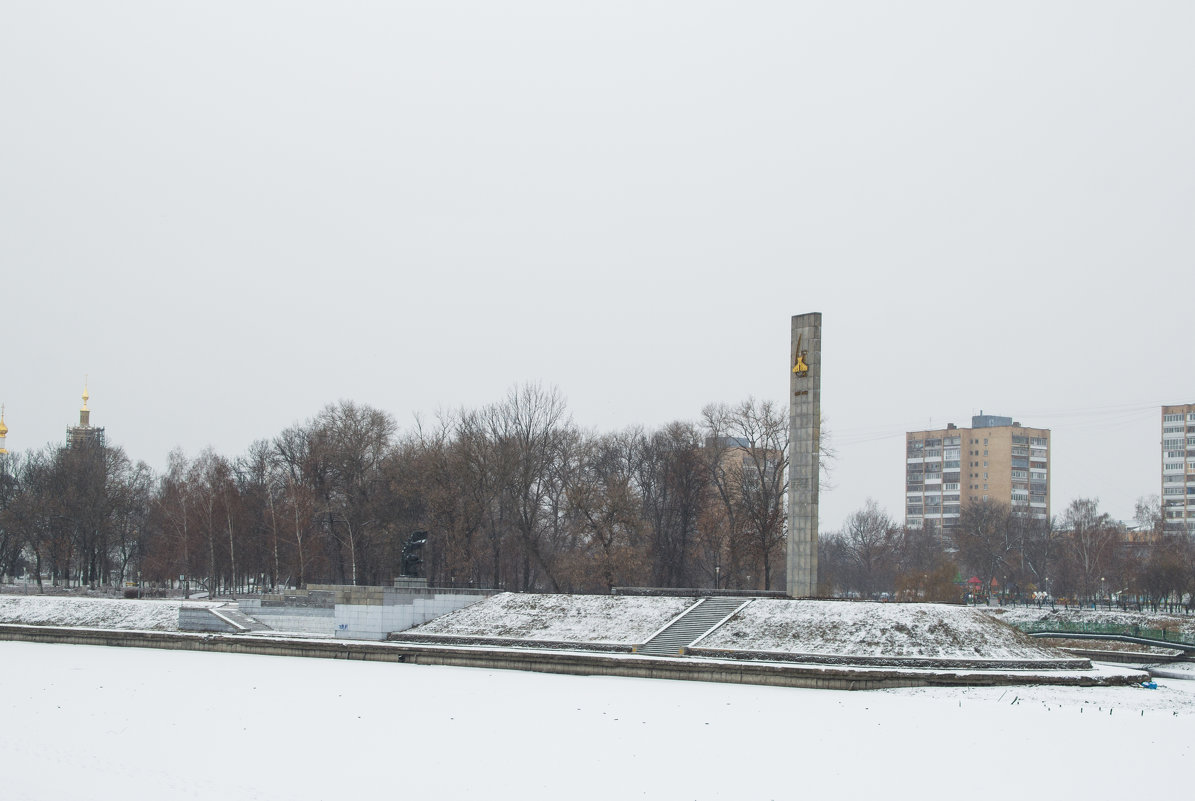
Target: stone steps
239	619
695	623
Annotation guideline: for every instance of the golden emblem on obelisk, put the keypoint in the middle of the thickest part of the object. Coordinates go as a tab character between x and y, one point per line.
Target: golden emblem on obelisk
799	366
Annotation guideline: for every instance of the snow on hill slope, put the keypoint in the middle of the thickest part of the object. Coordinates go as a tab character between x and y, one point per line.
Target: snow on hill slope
608	619
868	629
100	613
840	629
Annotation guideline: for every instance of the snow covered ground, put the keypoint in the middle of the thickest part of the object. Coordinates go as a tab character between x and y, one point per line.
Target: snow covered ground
613	619
849	629
117	723
52	610
874	629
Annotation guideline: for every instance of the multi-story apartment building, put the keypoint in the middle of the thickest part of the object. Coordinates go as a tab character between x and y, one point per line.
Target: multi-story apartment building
994	459
1178	467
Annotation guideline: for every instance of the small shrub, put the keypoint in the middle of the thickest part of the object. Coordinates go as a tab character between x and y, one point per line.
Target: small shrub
144	592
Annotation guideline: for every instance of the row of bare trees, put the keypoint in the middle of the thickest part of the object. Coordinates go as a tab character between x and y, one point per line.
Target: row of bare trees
1083	556
75	514
511	495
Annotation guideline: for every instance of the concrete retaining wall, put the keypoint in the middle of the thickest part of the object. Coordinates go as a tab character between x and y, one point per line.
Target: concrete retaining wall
398	611
200	618
302	618
358	613
575	663
1076	663
1125	657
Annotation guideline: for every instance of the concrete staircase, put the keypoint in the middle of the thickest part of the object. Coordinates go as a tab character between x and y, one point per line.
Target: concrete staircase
699	620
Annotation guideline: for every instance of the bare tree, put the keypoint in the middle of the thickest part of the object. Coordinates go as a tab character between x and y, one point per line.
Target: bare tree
355	440
1092	542
1147	513
985	539
530	428
33	513
10	539
747	454
870	538
606	511
673	480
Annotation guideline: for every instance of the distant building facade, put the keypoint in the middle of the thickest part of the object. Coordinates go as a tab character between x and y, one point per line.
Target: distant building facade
1178	467
995	459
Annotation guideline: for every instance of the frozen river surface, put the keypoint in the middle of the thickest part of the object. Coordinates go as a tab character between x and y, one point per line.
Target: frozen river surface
117	723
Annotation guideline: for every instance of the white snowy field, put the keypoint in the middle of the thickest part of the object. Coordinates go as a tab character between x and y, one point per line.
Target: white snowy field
116	723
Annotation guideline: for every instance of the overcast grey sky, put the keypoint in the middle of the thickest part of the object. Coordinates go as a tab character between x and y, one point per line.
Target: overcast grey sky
231	213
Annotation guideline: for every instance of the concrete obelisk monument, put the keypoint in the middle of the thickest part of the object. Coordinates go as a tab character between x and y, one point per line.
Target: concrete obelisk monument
804	448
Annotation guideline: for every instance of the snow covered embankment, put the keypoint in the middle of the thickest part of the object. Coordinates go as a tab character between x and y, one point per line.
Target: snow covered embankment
39	610
864	631
612	621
